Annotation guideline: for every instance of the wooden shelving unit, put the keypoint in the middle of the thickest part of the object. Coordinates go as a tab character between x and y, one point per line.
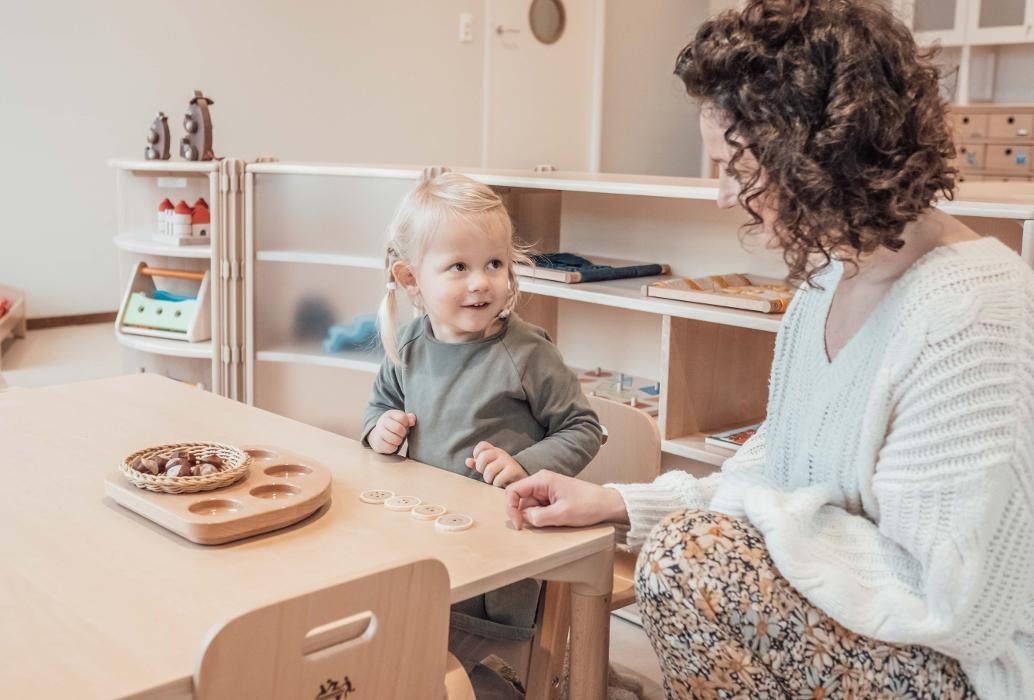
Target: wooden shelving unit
314	238
141	185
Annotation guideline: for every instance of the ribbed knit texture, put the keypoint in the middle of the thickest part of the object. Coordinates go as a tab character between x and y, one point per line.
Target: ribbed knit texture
895	485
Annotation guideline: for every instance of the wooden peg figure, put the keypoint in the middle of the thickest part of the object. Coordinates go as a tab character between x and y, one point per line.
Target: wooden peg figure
197	122
158	139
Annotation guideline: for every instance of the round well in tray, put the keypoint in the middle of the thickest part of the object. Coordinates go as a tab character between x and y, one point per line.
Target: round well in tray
287	471
215	506
259	453
275	491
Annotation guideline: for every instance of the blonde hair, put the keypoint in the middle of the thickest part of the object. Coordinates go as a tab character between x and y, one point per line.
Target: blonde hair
437	200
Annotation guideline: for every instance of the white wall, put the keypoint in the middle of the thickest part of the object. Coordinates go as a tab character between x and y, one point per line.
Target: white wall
649	124
382	81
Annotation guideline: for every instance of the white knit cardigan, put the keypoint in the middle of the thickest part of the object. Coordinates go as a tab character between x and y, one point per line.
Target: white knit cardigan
894	486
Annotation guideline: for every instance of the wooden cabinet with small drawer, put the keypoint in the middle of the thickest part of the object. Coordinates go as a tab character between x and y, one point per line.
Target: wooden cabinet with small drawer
971	156
970	126
994	141
1011	158
1010	126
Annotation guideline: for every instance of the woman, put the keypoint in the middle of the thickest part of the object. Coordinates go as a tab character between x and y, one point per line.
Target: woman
875	538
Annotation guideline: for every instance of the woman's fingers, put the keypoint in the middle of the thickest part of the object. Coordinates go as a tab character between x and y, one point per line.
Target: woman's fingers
546	516
531	492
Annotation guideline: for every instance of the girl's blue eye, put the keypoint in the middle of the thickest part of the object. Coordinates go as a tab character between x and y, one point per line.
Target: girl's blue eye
458	267
495	264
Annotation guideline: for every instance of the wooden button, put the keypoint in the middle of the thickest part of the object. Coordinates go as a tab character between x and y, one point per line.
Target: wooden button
375	496
453	522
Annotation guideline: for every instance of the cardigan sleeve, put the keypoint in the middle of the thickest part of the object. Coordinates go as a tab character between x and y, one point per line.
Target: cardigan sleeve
648	504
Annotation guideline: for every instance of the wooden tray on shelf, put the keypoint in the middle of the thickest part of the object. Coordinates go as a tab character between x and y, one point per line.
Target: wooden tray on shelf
737	290
280	489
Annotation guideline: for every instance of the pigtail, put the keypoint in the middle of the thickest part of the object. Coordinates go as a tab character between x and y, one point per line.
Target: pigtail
387	313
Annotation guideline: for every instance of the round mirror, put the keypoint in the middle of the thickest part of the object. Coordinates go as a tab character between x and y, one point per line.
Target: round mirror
546	18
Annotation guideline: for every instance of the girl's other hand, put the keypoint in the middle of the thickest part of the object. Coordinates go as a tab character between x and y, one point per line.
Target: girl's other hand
548	499
390	432
495	465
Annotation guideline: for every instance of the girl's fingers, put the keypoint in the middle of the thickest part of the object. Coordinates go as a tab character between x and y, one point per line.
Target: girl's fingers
395	428
492	469
485	458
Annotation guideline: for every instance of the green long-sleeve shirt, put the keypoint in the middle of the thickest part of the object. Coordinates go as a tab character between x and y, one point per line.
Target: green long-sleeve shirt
511	389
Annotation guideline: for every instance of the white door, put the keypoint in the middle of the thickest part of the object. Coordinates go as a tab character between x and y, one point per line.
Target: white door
541	100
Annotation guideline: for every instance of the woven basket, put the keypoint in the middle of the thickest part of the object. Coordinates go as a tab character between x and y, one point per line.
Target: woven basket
235	465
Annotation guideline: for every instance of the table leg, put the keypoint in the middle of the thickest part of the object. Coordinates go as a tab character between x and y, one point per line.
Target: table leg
590	645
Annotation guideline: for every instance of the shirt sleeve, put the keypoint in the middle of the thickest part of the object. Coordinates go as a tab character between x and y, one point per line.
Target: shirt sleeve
648	504
948	562
573	432
387	395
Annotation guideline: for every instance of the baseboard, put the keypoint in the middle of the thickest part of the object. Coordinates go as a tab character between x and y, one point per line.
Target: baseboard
80	320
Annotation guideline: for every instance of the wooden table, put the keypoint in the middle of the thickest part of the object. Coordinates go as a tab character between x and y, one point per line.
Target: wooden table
99	602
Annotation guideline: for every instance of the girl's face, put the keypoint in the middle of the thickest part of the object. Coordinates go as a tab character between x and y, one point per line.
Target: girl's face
729	187
462	280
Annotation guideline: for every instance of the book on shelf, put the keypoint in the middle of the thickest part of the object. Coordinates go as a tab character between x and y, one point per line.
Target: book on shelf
574	269
732	439
738	291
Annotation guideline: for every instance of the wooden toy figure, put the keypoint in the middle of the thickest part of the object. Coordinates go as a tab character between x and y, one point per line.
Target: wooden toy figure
197	144
158	139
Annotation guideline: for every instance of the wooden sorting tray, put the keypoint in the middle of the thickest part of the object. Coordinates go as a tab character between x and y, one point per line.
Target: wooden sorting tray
279	489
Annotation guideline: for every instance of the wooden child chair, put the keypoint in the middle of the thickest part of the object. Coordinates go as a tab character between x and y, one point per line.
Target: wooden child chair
383	635
632	453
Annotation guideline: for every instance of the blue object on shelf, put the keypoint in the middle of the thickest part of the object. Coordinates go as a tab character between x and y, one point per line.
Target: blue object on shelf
359	334
162	295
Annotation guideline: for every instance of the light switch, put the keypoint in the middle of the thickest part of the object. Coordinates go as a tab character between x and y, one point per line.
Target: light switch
466	27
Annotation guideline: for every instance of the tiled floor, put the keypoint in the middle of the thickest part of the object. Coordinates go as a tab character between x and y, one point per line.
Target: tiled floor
79	353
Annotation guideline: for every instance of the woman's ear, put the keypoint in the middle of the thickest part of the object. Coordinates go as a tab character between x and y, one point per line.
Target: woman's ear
403	275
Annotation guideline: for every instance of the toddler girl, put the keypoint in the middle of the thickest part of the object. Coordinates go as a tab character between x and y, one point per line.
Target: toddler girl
468	386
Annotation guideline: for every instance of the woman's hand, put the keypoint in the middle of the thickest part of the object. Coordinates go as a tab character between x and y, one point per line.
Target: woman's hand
495	465
549	499
390	432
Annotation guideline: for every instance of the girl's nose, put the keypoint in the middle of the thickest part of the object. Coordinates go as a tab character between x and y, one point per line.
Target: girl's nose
477	281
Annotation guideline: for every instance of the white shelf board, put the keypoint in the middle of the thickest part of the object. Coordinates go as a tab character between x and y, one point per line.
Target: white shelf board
143	242
165	166
317	258
165	346
694	447
1003	207
627	294
312	354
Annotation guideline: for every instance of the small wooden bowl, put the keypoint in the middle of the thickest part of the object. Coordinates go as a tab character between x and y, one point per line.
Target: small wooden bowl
235	465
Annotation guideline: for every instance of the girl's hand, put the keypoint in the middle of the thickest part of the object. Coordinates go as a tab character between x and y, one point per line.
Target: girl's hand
496	466
390	432
549	499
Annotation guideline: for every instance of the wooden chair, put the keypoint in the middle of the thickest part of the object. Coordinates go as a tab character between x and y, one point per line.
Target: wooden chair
383	635
632	453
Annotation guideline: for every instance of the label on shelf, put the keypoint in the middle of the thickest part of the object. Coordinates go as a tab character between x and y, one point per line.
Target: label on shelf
178	183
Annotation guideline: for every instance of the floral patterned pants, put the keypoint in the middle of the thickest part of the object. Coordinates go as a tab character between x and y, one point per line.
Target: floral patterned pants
725	624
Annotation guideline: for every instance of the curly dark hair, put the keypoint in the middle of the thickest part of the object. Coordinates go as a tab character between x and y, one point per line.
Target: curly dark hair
842	112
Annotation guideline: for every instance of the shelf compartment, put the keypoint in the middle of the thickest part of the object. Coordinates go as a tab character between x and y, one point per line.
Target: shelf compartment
312	354
693	447
166	346
627	294
313	257
715	378
141	242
